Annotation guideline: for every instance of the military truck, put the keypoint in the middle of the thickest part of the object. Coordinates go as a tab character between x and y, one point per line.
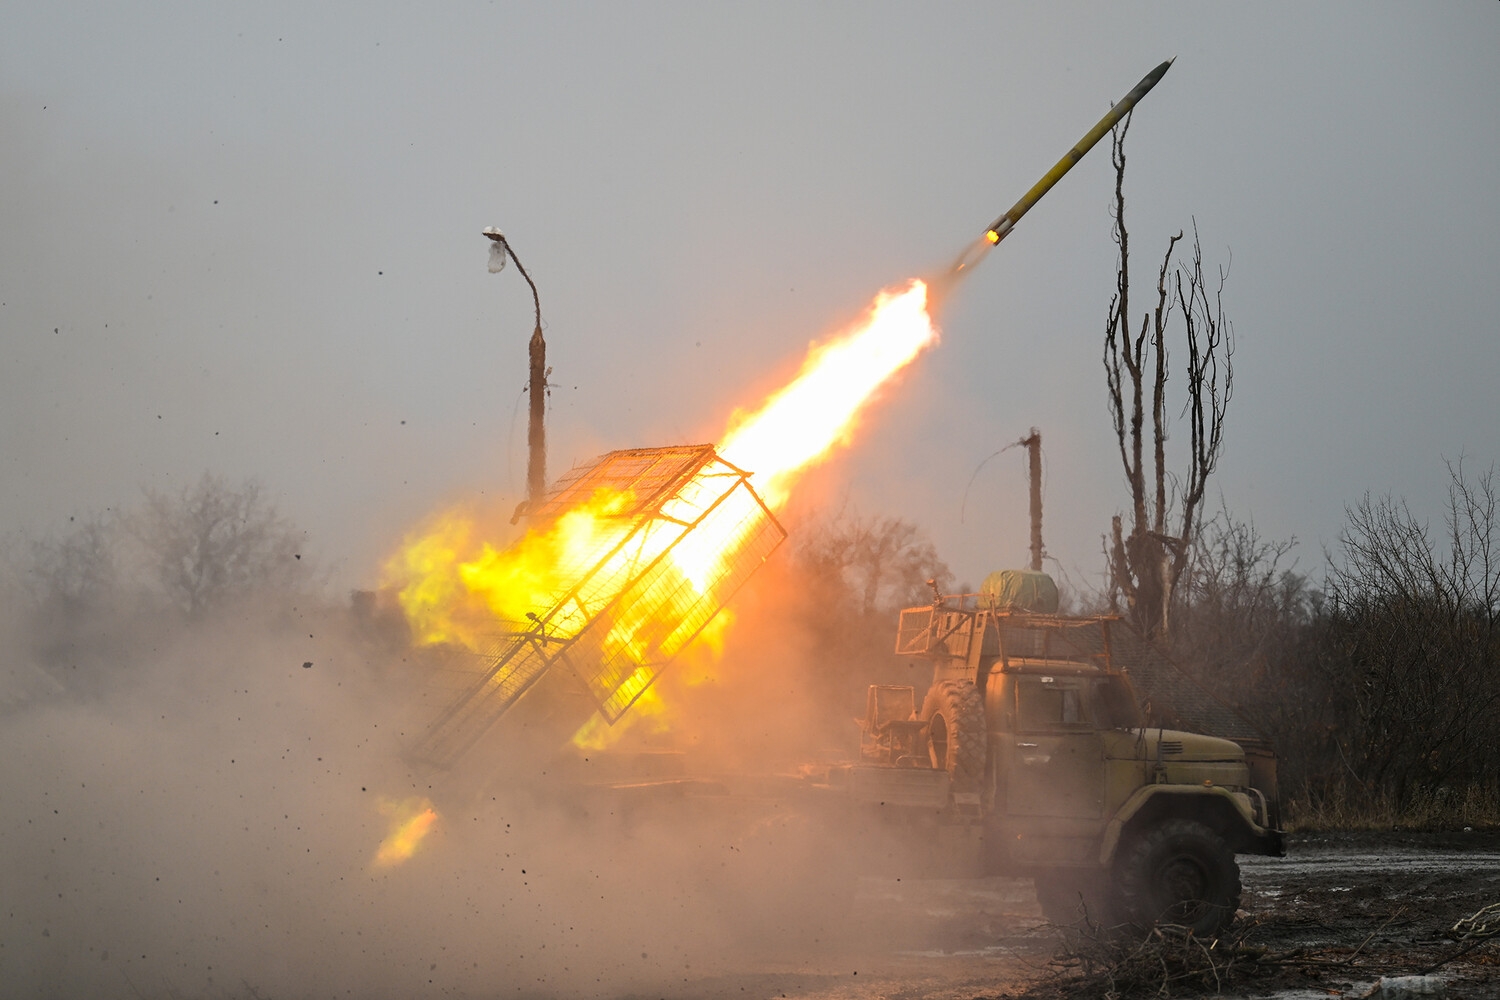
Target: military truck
1035	739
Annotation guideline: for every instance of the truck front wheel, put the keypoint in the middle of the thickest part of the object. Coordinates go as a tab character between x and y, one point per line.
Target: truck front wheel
1178	872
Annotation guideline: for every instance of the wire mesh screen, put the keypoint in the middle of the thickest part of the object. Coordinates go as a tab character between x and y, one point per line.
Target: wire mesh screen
674	533
1169	693
722	533
915	633
513	663
648	475
1086	640
942	632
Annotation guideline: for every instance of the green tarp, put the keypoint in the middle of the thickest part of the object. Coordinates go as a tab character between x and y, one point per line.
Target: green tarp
1019	590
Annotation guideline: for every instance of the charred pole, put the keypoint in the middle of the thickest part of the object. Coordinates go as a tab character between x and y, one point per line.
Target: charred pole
536	429
1002	226
1033	445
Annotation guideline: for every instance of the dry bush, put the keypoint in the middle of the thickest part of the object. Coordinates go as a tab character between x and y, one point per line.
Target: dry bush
1170	961
1411	643
1343	806
1382	693
1242	627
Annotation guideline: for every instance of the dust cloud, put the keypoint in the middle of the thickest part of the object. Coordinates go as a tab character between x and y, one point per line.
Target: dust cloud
206	822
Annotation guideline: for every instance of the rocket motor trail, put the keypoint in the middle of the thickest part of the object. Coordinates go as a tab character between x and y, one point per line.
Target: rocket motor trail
1002	226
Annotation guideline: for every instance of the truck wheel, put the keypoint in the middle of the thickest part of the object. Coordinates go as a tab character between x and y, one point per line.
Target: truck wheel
1179	872
954	713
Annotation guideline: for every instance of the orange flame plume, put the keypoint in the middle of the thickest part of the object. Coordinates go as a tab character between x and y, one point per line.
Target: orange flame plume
798	426
456	587
411	820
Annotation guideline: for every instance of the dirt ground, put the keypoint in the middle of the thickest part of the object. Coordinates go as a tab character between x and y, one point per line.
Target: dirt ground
1328	920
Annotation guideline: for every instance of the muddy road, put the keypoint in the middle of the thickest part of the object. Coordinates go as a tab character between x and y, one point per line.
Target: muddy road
1331	918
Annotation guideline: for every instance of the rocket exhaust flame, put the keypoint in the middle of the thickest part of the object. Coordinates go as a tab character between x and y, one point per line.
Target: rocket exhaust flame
411	821
817	411
634	556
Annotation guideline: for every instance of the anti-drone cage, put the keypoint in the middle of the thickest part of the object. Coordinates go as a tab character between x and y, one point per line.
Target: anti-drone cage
683	531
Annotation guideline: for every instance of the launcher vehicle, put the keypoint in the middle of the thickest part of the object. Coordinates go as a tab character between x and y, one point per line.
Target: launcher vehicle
1047	746
1045	737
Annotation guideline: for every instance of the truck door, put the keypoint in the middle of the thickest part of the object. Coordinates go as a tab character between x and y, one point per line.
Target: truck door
1053	762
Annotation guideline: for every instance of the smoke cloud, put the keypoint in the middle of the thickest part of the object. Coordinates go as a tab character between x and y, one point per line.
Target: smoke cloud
206	822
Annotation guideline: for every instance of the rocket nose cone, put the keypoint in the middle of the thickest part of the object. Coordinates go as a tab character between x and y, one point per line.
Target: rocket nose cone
1148	81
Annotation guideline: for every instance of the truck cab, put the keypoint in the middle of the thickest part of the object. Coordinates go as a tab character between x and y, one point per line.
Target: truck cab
1033	735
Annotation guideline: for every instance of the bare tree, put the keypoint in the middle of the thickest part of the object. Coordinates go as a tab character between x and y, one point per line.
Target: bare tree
93	604
75	597
1146	564
881	564
849	576
213	542
76	572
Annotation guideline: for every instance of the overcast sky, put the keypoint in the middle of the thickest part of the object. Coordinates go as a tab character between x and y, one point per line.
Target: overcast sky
246	239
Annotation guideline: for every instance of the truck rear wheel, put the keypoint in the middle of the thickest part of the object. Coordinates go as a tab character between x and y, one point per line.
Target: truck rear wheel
954	713
1179	872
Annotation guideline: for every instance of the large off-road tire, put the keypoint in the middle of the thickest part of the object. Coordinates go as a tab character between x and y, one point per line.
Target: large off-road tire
954	713
1178	872
1081	898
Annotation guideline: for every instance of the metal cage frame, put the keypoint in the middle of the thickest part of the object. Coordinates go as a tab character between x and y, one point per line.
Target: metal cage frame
629	610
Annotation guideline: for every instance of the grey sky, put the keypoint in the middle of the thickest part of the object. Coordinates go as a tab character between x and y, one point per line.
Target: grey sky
245	238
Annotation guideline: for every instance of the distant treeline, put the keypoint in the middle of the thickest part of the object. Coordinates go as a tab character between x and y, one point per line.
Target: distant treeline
1381	689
